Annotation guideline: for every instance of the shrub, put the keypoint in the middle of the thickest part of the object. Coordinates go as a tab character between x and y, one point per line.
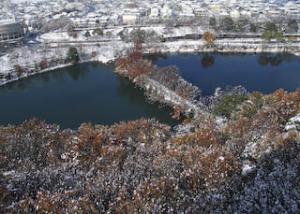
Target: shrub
228	104
271	26
272	32
134	65
73	55
93	54
87	34
98	32
213	22
249	109
292	26
90	141
43	64
209	38
227	24
19	70
253	28
267	35
139	130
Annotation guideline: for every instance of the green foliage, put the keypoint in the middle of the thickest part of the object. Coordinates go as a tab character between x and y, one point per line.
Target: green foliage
271	26
267	35
242	24
73	55
97	32
271	32
228	24
253	28
138	36
279	36
36	66
87	34
228	104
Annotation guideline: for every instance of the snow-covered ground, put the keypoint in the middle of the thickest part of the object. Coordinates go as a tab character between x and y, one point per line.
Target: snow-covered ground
113	33
29	58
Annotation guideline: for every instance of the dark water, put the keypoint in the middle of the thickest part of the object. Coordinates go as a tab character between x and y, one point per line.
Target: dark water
71	96
262	72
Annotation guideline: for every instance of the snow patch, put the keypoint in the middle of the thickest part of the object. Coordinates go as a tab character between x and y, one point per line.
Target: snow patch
248	168
293	123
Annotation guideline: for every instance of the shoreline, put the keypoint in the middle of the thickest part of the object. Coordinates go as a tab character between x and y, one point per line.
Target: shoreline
193	47
170	97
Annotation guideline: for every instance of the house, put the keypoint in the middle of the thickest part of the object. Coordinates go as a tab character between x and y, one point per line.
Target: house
154	12
129	18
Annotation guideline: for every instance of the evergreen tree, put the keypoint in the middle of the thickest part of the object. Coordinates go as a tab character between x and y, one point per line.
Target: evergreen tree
73	55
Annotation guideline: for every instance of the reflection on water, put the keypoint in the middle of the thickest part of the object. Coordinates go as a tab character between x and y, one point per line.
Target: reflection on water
77	94
207	60
274	59
262	72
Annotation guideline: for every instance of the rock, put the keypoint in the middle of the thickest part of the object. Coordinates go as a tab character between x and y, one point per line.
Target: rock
257	148
218	92
248	168
293	123
221	122
184	129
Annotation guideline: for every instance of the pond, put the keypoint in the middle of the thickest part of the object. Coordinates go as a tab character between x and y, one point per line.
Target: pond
262	72
80	93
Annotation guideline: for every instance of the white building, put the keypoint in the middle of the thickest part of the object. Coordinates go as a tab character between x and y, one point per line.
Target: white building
154	12
129	18
11	31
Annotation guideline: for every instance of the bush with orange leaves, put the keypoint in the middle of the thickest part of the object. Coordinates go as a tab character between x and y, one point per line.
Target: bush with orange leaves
207	135
19	70
178	113
44	64
90	141
209	38
143	130
134	65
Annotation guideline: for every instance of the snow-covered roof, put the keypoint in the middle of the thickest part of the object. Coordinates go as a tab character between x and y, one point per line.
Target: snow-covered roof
6	21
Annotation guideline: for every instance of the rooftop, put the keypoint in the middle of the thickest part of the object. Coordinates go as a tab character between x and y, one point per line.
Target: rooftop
7	21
